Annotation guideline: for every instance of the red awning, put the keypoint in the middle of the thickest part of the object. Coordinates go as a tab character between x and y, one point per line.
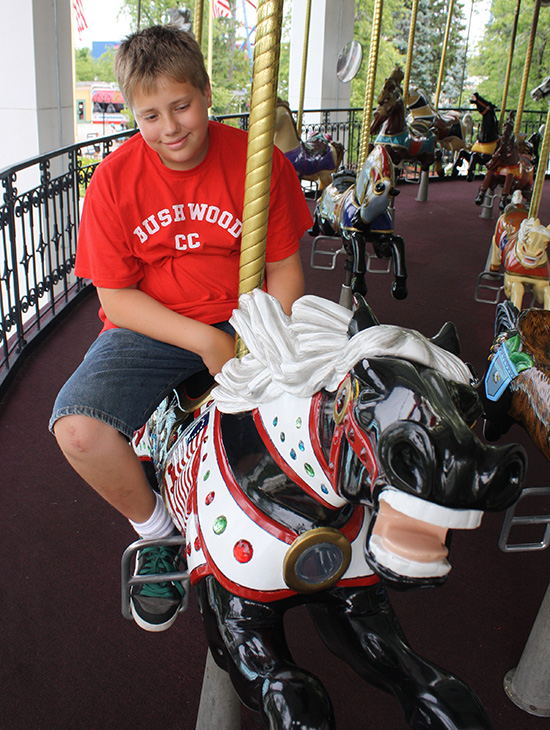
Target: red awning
107	96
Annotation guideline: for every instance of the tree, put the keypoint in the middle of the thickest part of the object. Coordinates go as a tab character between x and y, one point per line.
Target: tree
488	65
89	69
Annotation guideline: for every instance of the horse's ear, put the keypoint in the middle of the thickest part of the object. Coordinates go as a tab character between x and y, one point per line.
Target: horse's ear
506	317
447	338
363	316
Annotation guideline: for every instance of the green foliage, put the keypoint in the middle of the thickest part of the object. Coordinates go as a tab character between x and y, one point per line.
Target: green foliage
88	69
488	65
427	50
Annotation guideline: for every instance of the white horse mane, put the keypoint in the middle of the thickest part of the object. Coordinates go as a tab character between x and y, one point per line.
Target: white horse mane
311	350
529	226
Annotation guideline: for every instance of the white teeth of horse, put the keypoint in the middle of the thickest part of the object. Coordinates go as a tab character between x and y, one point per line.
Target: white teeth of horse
433	514
404	566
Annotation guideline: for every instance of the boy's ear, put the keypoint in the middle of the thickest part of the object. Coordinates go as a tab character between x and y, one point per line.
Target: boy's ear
208	93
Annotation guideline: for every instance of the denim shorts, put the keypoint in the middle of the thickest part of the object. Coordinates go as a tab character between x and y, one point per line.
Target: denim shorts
123	378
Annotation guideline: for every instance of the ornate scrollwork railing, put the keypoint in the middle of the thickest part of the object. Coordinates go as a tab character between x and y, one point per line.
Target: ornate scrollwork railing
40	204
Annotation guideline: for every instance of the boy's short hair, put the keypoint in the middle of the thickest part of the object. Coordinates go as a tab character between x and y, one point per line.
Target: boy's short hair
161	50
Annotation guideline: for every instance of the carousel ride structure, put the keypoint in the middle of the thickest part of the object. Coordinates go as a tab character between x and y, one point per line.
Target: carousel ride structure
316	158
355	211
302	482
511	166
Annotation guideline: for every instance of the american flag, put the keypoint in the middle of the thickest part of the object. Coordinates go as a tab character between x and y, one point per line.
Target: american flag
221	9
81	23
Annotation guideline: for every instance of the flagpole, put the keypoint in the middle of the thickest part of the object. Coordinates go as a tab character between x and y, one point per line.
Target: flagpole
210	38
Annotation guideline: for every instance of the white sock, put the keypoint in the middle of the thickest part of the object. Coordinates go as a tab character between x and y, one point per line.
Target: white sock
158	525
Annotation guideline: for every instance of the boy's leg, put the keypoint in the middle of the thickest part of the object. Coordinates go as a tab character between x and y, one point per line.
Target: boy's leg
116	388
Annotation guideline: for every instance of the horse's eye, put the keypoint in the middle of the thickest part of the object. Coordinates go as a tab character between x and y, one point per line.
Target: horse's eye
468	403
379	188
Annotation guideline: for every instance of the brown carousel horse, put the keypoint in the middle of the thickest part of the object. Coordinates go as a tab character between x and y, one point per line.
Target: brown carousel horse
510	166
403	143
315	159
515	387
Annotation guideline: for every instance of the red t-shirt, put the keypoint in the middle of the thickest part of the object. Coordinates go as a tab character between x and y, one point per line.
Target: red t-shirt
177	234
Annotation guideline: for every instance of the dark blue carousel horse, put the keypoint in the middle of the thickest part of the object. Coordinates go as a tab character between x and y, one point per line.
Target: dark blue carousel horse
338	451
389	123
483	148
316	158
359	211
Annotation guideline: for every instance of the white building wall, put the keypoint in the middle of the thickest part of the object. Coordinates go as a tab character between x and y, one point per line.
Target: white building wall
36	84
331	27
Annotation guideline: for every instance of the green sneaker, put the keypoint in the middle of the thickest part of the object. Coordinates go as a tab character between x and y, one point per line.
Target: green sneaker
155	606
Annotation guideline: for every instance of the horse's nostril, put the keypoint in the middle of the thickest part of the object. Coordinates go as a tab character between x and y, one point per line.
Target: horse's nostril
507	480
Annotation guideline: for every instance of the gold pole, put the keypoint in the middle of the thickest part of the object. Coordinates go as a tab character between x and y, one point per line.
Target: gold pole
412	30
304	66
541	171
260	147
197	21
371	79
444	54
509	67
527	67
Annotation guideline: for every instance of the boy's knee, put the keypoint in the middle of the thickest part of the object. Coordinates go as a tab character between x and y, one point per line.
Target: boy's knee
79	435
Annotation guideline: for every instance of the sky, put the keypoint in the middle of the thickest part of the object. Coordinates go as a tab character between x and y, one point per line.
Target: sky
101	17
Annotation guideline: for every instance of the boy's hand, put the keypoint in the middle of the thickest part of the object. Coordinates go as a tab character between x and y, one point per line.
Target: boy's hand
216	349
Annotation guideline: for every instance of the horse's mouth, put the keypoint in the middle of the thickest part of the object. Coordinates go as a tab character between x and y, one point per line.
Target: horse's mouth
408	536
530	262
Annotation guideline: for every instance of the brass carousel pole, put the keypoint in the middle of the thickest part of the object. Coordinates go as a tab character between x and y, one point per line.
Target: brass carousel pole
371	79
541	171
219	705
197	21
304	67
260	147
527	67
412	30
509	66
444	54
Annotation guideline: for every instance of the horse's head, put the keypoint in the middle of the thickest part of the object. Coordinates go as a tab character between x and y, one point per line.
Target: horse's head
405	414
375	186
481	104
388	103
532	243
542	90
516	386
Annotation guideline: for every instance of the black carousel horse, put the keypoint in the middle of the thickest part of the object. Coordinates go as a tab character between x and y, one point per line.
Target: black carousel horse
482	150
324	450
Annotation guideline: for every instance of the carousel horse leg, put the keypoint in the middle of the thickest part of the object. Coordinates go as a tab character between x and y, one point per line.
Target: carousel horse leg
393	246
247	639
515	292
359	626
546	298
355	248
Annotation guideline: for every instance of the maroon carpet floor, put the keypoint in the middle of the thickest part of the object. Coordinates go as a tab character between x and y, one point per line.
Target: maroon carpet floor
70	661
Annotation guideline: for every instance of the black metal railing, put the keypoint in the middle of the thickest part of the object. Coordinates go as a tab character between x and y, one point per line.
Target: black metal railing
40	217
39	221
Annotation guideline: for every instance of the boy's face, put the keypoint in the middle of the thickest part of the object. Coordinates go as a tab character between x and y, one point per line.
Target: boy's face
173	121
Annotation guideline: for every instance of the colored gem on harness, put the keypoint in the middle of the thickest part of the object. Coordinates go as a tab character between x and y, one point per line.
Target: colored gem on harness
243	551
220	523
209	498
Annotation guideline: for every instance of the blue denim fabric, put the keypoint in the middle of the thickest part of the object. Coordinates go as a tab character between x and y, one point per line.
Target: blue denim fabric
123	378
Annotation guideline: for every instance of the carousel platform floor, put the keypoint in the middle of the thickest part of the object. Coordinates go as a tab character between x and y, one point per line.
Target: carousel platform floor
70	661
